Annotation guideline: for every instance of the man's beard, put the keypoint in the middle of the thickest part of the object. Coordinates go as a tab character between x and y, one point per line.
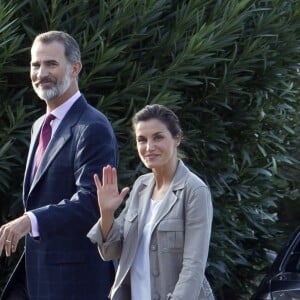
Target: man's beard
57	90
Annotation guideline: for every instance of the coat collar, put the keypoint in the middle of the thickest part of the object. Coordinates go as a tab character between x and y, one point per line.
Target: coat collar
178	181
169	200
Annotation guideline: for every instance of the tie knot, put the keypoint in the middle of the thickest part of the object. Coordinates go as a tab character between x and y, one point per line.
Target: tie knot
48	119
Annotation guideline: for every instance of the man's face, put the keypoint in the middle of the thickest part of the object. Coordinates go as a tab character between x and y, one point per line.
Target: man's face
50	72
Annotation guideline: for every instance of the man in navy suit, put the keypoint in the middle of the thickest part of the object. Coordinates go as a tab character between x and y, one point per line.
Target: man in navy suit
59	262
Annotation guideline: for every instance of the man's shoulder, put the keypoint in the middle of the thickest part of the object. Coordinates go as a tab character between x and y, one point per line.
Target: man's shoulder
88	112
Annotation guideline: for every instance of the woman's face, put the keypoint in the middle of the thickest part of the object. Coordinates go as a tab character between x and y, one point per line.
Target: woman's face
156	146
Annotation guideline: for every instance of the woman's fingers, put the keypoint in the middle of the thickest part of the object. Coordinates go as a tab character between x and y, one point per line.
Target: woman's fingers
114	176
108	175
108	188
124	192
104	175
97	181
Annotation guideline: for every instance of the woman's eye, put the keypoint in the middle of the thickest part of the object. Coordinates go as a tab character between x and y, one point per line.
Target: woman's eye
159	137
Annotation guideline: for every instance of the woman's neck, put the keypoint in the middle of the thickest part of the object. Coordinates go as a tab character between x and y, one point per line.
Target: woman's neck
163	179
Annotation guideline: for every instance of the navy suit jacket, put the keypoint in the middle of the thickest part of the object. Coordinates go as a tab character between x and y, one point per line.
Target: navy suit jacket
62	263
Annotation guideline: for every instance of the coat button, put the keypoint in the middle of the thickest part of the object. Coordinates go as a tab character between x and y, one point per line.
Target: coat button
153	247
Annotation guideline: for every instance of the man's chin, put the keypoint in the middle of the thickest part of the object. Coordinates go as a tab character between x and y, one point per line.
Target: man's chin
47	95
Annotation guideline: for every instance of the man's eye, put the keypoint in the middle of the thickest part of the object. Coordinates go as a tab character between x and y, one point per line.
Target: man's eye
52	64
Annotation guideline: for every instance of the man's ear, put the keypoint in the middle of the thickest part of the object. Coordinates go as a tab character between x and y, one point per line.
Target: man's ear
76	68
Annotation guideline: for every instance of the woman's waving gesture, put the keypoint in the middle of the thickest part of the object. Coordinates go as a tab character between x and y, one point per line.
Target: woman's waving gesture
109	197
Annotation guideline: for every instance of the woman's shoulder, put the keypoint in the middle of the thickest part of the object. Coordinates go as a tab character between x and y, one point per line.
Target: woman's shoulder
143	180
190	178
193	179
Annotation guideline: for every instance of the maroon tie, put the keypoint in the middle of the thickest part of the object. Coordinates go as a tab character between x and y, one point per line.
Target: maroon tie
45	137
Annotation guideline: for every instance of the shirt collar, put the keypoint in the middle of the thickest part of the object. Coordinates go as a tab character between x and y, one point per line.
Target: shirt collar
60	111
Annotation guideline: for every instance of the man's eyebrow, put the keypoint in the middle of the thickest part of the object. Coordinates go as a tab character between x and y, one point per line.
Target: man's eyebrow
49	61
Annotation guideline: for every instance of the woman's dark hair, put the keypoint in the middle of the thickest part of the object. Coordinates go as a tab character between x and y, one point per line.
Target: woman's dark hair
161	113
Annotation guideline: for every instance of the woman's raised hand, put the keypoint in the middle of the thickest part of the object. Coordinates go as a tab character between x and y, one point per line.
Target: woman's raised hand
109	198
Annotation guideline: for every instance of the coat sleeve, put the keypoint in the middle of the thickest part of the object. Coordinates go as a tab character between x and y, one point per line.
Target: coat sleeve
198	221
112	247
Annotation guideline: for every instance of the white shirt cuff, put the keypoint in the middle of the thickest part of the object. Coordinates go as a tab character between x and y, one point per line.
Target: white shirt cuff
34	224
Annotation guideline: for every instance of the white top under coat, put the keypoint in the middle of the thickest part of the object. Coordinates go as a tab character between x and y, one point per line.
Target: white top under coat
140	270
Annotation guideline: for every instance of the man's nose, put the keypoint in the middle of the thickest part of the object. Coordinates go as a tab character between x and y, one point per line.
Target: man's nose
42	72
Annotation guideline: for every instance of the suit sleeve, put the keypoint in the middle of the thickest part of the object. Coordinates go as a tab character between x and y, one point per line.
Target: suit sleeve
92	146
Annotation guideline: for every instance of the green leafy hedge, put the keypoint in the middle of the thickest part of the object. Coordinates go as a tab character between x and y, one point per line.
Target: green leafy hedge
228	68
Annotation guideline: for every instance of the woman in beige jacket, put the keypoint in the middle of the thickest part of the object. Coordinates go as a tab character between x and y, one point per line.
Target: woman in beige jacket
162	236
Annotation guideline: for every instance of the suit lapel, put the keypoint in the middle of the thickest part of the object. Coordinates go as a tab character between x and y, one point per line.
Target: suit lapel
61	136
55	145
30	158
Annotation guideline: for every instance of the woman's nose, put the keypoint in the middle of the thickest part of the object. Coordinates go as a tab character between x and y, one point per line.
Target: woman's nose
150	145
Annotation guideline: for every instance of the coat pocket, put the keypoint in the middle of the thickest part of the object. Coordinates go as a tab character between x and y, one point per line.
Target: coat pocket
171	235
129	220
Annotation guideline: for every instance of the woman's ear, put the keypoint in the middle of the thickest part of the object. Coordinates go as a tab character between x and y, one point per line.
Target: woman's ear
178	140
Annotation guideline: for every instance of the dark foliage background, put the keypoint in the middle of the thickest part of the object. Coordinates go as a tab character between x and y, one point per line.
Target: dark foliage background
228	68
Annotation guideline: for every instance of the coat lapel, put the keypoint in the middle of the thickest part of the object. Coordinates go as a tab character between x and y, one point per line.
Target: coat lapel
143	205
143	201
166	205
172	196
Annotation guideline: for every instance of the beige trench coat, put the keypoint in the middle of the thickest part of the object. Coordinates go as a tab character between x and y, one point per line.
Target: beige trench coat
179	241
